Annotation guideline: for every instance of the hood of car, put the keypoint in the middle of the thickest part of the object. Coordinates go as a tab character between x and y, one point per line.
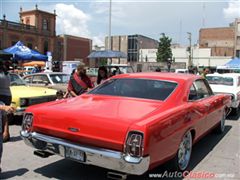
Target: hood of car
28	91
62	87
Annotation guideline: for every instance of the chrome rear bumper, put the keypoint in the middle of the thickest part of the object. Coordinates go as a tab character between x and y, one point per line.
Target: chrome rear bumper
19	111
105	158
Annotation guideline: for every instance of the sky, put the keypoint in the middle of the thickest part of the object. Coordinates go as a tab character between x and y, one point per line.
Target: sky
151	18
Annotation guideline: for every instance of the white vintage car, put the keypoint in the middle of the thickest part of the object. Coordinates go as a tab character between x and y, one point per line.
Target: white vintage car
228	83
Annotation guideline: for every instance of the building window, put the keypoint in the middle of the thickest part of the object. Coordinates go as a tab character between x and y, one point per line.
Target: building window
238	53
45	24
45	47
29	45
28	21
132	49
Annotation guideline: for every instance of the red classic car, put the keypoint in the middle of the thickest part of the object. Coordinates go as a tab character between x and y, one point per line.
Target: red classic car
130	124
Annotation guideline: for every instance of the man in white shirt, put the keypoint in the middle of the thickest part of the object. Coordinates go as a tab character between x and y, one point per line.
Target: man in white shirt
47	70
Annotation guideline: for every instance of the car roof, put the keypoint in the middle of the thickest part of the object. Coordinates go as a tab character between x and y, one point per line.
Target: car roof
11	73
161	75
225	74
47	73
117	66
181	69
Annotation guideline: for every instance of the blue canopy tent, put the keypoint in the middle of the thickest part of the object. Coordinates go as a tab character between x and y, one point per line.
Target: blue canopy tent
233	63
5	56
21	52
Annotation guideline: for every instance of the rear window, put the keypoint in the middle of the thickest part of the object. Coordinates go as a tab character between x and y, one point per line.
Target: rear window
220	80
136	88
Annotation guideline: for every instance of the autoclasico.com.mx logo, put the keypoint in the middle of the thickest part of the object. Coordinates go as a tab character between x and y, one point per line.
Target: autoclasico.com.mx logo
191	174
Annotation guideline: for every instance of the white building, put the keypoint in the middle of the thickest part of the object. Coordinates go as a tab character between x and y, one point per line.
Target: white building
200	56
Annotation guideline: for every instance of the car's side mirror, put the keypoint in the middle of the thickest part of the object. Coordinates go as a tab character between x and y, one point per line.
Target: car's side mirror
46	83
193	96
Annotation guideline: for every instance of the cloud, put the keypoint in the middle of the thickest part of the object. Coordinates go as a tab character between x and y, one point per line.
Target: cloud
233	9
98	40
73	21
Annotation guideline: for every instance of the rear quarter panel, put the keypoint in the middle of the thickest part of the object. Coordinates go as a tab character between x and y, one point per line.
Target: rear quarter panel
164	133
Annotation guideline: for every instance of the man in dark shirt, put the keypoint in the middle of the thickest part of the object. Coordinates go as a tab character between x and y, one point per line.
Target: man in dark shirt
79	82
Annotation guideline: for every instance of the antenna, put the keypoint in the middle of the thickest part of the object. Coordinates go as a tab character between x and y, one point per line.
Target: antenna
180	32
204	15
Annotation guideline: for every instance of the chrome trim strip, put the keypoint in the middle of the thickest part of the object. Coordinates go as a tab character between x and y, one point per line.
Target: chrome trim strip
105	158
19	111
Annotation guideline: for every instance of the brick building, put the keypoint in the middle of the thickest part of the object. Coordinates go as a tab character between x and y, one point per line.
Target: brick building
223	41
37	30
74	48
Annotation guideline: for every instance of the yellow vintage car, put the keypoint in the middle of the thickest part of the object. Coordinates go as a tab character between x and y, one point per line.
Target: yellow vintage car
24	96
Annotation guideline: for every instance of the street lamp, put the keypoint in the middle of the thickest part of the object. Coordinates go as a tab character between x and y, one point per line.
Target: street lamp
190	49
170	60
110	25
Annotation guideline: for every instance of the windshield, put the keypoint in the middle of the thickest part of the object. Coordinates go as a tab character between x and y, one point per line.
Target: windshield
120	69
136	88
220	80
59	78
16	80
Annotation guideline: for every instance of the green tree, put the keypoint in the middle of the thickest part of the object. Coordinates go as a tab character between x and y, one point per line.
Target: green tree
164	49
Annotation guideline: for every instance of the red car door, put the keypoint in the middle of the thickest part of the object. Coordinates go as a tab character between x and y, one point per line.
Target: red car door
214	106
199	113
208	106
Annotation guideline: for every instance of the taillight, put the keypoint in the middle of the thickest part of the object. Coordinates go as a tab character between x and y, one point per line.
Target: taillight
134	144
27	122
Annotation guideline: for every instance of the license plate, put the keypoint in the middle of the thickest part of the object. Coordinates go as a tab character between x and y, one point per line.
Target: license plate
75	154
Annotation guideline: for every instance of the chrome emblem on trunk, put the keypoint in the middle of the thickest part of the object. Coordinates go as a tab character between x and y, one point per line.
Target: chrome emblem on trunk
73	129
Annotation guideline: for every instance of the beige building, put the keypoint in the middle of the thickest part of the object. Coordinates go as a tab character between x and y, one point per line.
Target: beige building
201	57
131	45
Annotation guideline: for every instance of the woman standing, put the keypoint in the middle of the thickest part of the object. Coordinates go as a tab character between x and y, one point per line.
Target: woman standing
5	94
102	75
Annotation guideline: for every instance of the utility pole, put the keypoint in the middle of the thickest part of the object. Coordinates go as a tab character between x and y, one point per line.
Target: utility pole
190	63
110	24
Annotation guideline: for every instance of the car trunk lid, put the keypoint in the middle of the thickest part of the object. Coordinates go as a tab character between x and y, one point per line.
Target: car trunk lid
94	120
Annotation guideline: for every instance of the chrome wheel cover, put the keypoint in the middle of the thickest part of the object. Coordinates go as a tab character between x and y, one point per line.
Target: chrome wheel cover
223	122
184	151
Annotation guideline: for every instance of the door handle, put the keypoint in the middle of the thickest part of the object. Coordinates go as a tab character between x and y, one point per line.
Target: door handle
187	117
207	106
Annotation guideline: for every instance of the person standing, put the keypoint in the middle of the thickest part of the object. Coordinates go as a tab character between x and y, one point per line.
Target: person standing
5	95
102	75
205	72
158	69
35	69
3	118
79	82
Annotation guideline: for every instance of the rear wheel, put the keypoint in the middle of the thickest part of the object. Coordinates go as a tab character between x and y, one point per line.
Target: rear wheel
221	126
183	155
236	111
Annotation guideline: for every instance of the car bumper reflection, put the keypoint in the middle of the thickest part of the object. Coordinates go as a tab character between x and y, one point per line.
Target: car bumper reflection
105	158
